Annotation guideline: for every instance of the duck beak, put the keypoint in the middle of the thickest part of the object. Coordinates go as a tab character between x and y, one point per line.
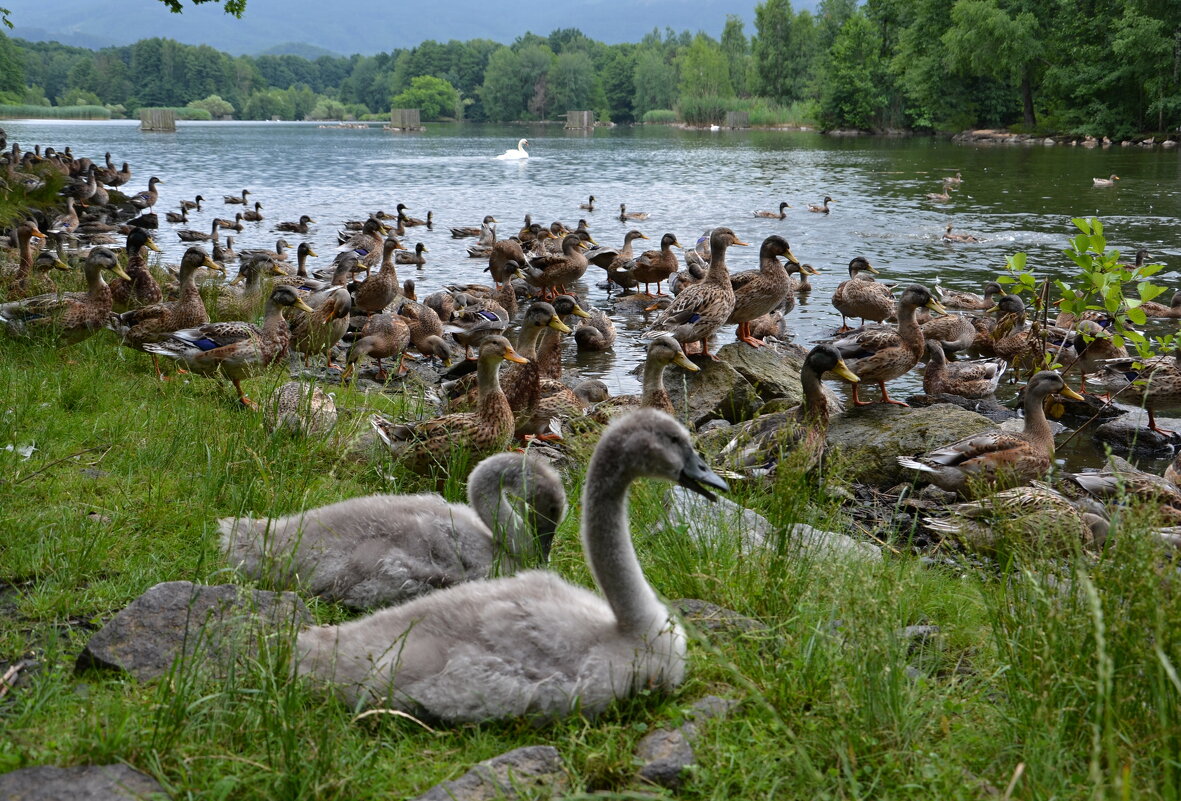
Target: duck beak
558	325
277	270
1067	392
212	265
581	312
676	244
792	258
152	245
299	304
310	219
681	360
37	233
697	476
742	244
993	310
119	271
643	237
313	253
519	274
58	264
512	356
808	269
844	372
936	306
870	268
426	250
239	278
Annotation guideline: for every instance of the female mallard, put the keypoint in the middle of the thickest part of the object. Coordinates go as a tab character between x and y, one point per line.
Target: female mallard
597	333
975	379
231	225
954	332
551	273
426	329
861	296
701	309
1156	382
775	215
1172	311
998	458
954	180
941	197
663	350
236	199
969	301
821	209
192	205
320	330
948	236
237	350
189	235
800	284
141	326
253	215
883	353
1119	487
66	223
589	205
1092	348
549	344
71	317
654	266
380	289
406	257
625	215
146	199
505	260
300	227
383	336
618	261
223	253
141	288
1011	339
432	443
27	234
300	408
757	292
1110	181
488	225
181	217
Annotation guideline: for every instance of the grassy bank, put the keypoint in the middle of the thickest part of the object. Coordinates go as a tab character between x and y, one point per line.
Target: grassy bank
1058	677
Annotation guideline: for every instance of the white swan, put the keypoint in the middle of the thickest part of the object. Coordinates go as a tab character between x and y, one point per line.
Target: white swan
515	153
380	550
532	645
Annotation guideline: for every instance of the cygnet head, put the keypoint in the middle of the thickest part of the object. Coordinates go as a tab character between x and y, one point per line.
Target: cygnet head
530	487
649	443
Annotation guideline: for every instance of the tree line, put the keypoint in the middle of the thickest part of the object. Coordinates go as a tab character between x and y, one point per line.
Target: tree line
1103	67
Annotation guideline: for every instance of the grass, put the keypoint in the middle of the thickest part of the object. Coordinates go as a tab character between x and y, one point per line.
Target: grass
1058	676
34	112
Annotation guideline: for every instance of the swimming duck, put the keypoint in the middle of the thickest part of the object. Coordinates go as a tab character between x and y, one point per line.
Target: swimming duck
236	199
181	216
881	353
861	296
973	379
589	205
941	197
488	224
231	225
625	215
998	457
757	292
1105	181
237	350
406	257
954	180
948	236
968	301
253	215
597	333
1159	310
654	266
192	205
544	647
411	222
189	235
74	316
822	209
141	288
300	227
775	215
382	550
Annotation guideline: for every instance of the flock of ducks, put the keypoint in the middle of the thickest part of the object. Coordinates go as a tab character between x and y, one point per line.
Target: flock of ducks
463	631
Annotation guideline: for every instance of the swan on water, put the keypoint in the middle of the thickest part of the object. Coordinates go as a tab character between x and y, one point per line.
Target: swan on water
515	153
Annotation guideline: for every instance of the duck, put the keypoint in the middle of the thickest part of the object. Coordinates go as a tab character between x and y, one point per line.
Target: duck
1151	383
968	301
701	309
140	326
236	199
882	353
301	279
1141	257
67	222
71	317
1161	311
551	273
948	236
1038	516
300	227
223	253
821	209
406	257
941	197
189	235
972	379
27	234
1011	339
192	205
596	334
662	350
1092	347
775	215
46	263
300	408
589	205
617	262
237	350
254	254
625	215
532	645
954	180
953	332
231	225
319	331
146	199
998	458
253	215
383	336
861	296
654	266
141	288
378	551
433	443
549	344
1109	181
426	329
515	154
411	222
757	292
181	217
368	245
488	224
504	261
1121	487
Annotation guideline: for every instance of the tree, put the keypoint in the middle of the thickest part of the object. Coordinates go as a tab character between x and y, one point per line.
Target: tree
215	105
234	7
985	40
501	92
571	81
655	81
737	51
12	68
784	51
703	70
850	95
433	97
617	78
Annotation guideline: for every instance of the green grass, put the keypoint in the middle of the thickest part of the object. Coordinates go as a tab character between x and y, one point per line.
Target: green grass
183	112
15	112
1062	673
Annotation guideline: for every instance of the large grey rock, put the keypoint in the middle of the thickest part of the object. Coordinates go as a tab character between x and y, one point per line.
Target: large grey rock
716	522
80	783
772	372
872	437
815	543
525	771
713	618
222	624
716	391
666	753
1130	432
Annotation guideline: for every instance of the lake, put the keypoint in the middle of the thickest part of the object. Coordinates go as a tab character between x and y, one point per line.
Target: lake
1013	197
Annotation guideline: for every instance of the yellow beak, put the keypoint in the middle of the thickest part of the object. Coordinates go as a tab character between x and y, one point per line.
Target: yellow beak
1067	392
512	356
299	304
580	312
152	245
681	360
239	278
936	306
844	372
313	253
870	268
558	325
212	265
809	269
740	243
792	258
117	270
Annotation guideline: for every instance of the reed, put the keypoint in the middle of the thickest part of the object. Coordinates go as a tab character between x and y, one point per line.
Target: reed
34	112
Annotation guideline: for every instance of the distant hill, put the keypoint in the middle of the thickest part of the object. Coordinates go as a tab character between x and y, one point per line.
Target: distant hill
359	26
301	49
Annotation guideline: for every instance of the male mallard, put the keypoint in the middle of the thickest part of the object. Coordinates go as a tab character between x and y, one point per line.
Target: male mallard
237	350
775	215
974	379
71	317
701	309
141	288
757	292
300	227
882	353
998	457
625	215
861	296
1105	181
822	209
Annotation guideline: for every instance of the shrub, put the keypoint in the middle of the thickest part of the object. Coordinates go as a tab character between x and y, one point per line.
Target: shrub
660	116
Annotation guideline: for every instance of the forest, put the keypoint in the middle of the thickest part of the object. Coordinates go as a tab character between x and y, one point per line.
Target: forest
1095	67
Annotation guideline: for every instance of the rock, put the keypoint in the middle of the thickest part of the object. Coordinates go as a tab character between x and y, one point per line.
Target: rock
772	372
666	753
873	436
79	783
520	771
718	521
713	618
989	407
1130	432
919	637
713	425
717	391
179	618
816	543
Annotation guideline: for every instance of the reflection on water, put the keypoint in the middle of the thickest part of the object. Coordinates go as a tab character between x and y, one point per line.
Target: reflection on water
1014	198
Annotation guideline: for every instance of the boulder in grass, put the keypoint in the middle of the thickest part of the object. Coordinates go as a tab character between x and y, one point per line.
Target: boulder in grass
521	772
79	783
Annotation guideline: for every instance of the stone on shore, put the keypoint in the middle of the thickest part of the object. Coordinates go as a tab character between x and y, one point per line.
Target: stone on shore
79	783
524	771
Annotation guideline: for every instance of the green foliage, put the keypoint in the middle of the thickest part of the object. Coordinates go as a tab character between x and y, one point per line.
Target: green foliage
12	68
784	52
187	112
234	7
851	95
434	97
655	81
704	70
660	116
571	82
215	105
54	112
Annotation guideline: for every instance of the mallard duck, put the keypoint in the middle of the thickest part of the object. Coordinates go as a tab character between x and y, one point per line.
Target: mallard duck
549	344
300	227
974	379
882	353
1010	338
701	309
181	216
948	236
253	215
138	327
597	333
231	225
369	247
654	266
406	257
757	292
1038	515
301	279
46	263
589	205
968	301
74	316
300	408
954	180
861	296
1141	256
1118	487
236	199
941	197
1155	382
625	215
663	350
616	261
549	648
775	215
382	550
27	236
224	253
237	350
147	220
278	254
189	235
486	430
553	243
146	199
551	273
320	330
822	209
1092	347
1172	311
1105	181
411	222
383	336
192	205
67	222
141	288
426	329
505	261
488	224
998	457
954	332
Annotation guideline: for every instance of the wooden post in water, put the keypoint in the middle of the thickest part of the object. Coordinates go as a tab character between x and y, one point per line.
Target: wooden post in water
580	119
157	119
737	119
405	119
